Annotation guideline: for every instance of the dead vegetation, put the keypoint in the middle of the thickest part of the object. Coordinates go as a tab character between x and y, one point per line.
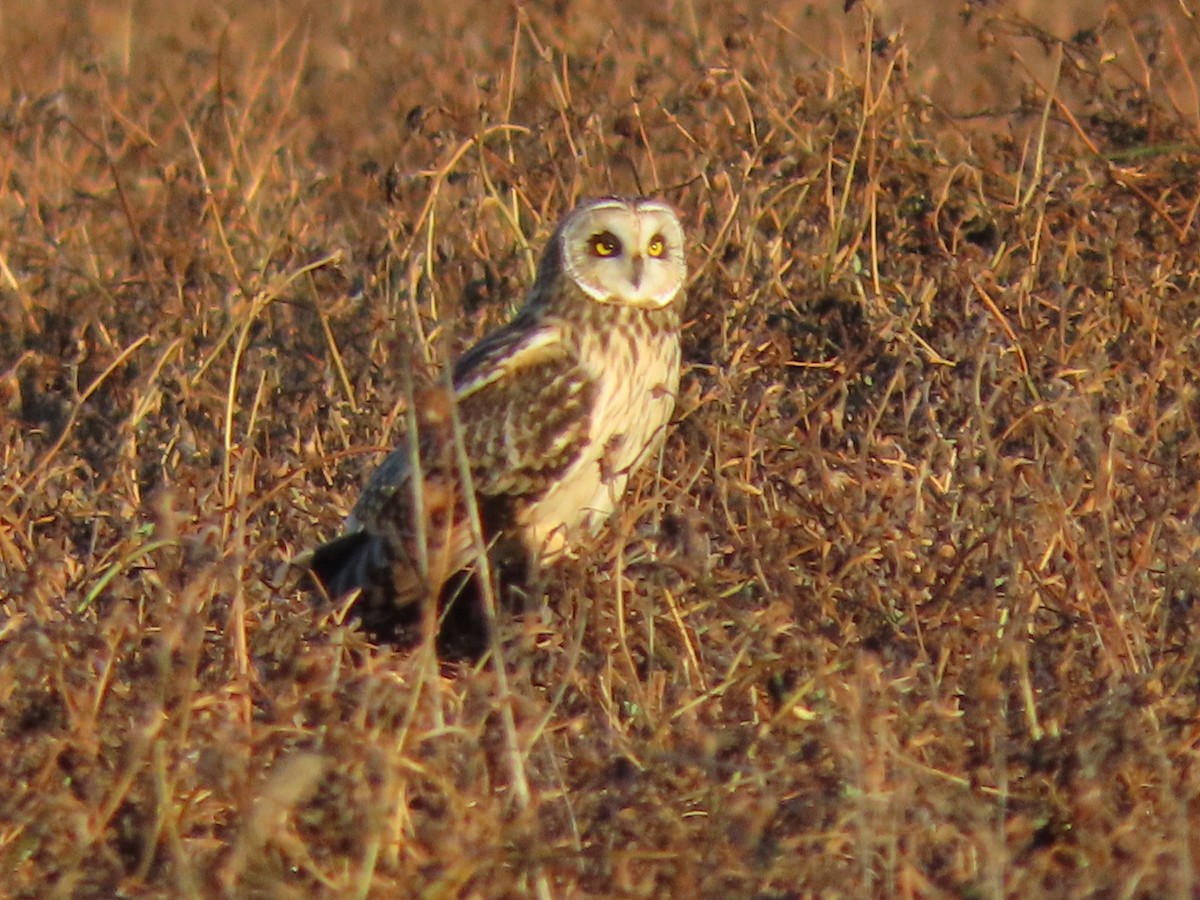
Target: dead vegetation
911	605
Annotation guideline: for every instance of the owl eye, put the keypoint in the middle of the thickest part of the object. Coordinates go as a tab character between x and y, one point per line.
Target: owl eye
657	247
605	244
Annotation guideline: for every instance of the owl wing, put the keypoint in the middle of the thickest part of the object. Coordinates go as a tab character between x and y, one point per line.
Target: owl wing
525	405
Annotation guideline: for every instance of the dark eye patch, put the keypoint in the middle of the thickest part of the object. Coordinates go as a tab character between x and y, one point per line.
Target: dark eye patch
604	244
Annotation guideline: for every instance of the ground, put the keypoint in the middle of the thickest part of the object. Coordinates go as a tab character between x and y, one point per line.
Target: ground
910	604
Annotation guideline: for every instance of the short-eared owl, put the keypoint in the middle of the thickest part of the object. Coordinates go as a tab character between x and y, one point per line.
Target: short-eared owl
557	408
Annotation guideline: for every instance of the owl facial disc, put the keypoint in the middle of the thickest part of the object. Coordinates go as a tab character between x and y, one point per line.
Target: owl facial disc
625	251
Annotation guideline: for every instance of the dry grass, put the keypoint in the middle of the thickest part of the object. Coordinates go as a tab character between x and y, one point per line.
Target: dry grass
912	605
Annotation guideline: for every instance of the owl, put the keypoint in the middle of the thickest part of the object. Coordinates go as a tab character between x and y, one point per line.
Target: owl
549	416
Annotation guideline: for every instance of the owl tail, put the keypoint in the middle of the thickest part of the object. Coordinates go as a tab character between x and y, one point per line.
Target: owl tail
347	563
362	561
391	603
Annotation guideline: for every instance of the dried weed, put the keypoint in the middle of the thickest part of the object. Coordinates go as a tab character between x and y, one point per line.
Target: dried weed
909	606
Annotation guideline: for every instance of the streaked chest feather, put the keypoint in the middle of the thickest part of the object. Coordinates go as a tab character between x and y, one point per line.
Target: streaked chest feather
636	373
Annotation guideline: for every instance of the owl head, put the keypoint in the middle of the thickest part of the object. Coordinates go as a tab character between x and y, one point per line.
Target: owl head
622	251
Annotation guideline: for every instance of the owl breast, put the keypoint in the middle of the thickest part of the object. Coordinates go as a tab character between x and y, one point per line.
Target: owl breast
634	362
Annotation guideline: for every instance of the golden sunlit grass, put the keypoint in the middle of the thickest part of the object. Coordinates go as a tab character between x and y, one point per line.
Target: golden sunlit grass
909	604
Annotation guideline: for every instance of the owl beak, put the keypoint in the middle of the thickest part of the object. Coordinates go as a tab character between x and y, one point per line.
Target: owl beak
638	264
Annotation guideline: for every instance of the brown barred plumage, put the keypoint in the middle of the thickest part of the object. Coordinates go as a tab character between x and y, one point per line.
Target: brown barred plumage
557	409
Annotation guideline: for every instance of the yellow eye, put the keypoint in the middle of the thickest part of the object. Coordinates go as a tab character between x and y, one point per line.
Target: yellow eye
657	246
605	244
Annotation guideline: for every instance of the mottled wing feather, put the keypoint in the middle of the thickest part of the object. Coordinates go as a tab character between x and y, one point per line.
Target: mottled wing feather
525	406
521	343
381	487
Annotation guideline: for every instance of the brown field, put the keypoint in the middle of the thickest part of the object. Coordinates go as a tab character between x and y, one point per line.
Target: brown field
911	605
